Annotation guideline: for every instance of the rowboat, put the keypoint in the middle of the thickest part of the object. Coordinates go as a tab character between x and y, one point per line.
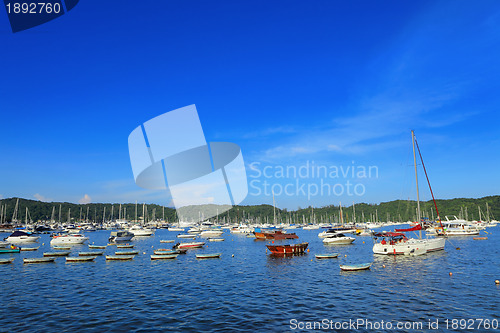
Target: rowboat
56	247
164	252
208	255
288	249
167	241
6	261
38	260
10	250
126	253
97	246
164	256
216	239
125	246
479	238
90	253
327	256
56	254
119	257
29	248
356	267
192	245
80	259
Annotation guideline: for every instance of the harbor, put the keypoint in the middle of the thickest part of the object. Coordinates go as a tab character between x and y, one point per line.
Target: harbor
257	288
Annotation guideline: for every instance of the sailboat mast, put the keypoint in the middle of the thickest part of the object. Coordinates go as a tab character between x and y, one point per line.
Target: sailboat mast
274	210
416	181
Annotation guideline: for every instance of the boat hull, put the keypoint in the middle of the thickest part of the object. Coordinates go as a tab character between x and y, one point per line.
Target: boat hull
409	246
288	249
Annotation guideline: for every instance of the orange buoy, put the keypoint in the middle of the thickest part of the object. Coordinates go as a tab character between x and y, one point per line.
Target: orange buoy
451	273
497	281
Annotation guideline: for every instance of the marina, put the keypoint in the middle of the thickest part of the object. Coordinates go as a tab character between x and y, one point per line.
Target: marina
244	260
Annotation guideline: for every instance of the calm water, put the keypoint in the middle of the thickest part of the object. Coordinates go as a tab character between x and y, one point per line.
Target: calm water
251	291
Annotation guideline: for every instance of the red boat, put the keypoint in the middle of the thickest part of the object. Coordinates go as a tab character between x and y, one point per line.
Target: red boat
274	234
288	249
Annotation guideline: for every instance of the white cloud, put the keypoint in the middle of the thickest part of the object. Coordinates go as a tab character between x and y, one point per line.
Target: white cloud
40	197
85	200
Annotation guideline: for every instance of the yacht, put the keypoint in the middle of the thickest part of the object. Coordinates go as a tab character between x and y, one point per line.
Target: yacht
69	239
339	239
19	237
141	231
120	236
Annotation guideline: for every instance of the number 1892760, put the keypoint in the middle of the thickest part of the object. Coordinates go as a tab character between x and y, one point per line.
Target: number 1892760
33	8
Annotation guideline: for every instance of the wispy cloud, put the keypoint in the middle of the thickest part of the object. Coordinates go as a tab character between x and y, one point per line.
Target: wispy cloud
40	197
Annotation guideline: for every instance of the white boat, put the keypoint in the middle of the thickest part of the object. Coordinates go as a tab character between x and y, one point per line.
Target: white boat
458	227
242	229
175	229
21	237
394	243
311	227
68	239
141	231
191	245
211	233
120	236
339	239
186	236
356	267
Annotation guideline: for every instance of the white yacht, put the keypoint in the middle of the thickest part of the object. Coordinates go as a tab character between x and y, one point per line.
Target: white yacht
120	236
20	237
339	239
141	231
68	239
211	233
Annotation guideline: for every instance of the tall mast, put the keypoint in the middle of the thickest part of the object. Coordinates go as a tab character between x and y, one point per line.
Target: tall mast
416	181
341	215
274	210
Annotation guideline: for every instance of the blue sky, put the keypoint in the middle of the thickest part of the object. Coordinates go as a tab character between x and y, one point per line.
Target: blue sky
292	82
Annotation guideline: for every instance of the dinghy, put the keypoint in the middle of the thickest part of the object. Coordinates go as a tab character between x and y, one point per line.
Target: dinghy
167	241
97	246
119	257
56	254
80	259
208	255
126	253
164	256
327	256
356	267
6	261
38	260
29	248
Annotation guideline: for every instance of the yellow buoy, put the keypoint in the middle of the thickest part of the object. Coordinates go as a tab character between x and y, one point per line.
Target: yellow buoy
383	266
345	255
363	242
233	254
497	281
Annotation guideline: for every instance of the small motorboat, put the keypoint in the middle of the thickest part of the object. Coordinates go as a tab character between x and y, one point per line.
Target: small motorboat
175	229
6	261
120	236
141	231
338	239
90	253
56	254
186	236
356	267
10	249
216	239
192	245
126	253
124	246
327	256
97	246
164	256
38	260
288	249
208	256
167	241
119	257
80	259
57	247
70	239
211	233
29	248
21	237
